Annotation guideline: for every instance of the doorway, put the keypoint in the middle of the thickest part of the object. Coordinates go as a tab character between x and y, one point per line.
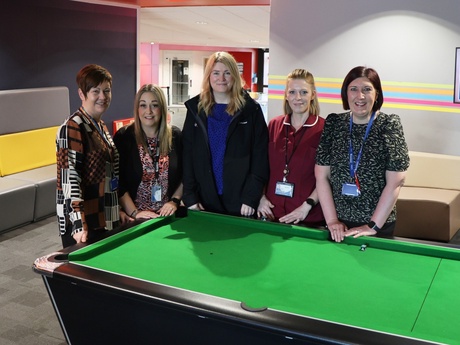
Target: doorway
180	80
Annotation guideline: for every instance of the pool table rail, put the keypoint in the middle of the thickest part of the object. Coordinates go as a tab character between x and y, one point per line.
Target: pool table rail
148	309
282	325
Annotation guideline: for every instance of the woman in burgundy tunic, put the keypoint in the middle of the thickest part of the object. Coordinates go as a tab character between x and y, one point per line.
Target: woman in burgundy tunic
290	195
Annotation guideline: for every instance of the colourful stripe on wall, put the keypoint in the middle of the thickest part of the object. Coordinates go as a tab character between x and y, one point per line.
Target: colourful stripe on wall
402	95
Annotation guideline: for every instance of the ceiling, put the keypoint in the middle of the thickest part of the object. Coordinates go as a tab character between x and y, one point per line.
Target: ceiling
230	23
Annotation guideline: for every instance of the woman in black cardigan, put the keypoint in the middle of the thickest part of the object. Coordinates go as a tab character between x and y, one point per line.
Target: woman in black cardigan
150	158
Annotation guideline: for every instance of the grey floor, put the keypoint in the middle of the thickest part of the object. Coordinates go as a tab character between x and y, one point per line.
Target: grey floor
26	314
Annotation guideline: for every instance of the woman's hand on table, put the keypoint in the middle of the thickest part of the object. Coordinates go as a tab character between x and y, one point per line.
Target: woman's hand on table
359	231
146	215
168	209
264	211
124	218
296	216
337	230
81	237
246	210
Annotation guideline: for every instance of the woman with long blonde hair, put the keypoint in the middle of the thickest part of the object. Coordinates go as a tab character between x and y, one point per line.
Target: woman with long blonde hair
225	143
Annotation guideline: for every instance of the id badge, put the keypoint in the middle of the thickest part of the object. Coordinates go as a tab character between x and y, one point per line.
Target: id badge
156	193
350	189
114	184
284	189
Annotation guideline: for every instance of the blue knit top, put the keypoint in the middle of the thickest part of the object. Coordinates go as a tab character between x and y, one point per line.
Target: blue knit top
218	123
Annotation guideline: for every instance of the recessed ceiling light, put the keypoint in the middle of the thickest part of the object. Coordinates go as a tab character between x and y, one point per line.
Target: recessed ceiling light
201	23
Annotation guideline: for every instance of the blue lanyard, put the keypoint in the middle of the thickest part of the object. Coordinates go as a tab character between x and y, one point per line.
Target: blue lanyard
98	127
101	133
353	164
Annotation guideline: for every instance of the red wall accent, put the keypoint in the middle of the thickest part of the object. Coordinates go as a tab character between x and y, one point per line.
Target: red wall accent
246	59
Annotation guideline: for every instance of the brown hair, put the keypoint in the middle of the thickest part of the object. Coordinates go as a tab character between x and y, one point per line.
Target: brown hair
359	72
91	76
164	130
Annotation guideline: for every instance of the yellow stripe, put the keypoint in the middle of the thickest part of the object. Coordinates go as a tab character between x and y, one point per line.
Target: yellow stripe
330	80
415	90
276	82
330	85
329	100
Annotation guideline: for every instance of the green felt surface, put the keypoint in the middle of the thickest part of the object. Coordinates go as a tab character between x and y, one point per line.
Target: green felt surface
295	270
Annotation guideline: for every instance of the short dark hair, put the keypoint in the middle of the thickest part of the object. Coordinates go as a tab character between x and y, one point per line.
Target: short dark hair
359	72
91	76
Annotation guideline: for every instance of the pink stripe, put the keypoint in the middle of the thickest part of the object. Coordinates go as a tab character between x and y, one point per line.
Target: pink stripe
329	95
276	92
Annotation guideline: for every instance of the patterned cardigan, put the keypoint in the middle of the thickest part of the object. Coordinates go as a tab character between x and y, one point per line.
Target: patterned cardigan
87	175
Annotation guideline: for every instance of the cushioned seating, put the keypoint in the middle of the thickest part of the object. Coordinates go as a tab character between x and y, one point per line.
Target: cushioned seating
17	203
428	205
29	120
44	179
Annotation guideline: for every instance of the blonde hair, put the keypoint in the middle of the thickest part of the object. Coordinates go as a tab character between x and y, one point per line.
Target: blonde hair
237	100
300	73
164	130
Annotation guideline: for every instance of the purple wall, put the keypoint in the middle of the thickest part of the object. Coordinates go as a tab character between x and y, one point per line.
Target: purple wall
45	43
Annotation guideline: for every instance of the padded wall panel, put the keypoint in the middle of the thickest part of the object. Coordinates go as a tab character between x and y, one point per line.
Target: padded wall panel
27	150
28	109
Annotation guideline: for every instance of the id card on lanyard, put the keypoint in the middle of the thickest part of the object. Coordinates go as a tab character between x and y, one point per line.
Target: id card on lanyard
285	188
113	177
354	189
156	194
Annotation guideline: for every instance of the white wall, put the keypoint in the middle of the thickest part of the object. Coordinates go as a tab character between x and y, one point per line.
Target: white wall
410	43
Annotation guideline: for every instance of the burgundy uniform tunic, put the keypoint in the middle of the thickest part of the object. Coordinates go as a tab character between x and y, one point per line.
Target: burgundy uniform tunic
300	154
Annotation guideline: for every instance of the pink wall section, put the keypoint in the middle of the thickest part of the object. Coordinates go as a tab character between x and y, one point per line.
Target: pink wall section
149	63
150	60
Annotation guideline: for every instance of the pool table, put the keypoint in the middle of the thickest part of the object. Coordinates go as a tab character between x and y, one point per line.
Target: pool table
213	279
